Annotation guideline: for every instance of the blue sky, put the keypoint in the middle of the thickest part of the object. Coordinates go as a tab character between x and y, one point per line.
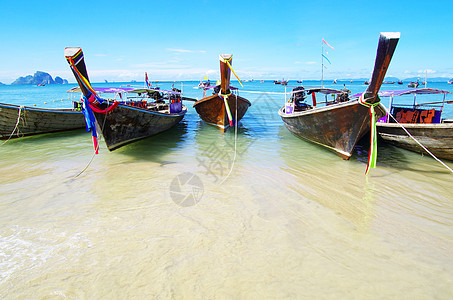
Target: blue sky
181	40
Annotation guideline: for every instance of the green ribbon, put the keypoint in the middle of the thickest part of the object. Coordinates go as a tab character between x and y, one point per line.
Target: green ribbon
227	108
372	156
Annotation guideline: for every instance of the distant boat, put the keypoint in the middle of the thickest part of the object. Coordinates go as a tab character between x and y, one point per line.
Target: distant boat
334	81
128	120
223	109
338	125
388	82
400	82
204	84
422	119
18	121
413	84
282	82
366	82
450	81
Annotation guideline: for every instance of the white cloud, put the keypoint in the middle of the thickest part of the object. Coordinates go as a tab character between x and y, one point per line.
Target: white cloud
427	71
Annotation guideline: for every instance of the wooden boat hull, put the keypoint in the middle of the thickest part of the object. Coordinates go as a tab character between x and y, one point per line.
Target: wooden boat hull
437	138
212	110
126	124
336	127
37	120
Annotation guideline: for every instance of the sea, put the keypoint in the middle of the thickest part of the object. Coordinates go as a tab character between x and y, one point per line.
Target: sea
194	213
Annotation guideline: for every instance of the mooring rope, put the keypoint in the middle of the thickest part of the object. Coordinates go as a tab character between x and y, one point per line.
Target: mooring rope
273	93
89	163
16	126
263	92
94	153
235	141
420	144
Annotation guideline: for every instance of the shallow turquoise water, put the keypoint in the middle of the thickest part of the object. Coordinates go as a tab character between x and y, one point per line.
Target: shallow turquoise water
164	217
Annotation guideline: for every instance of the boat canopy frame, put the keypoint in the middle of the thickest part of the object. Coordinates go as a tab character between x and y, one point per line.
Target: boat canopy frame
325	91
415	92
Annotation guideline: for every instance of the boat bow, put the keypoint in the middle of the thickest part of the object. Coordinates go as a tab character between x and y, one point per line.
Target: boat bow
386	48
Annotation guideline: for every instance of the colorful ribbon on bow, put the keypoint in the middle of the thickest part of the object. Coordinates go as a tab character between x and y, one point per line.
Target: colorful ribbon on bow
227	61
372	156
89	105
225	97
90	121
227	107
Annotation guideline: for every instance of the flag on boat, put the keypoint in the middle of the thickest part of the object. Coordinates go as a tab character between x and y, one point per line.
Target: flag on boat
327	44
326	58
146	80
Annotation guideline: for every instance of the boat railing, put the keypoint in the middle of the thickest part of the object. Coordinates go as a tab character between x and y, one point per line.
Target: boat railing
334	96
420	105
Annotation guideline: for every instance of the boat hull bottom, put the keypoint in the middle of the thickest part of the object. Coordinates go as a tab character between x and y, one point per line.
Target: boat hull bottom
336	127
126	124
16	121
212	110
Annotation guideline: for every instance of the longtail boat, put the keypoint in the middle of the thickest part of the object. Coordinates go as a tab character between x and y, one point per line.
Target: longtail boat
339	124
123	122
223	109
421	119
413	84
18	121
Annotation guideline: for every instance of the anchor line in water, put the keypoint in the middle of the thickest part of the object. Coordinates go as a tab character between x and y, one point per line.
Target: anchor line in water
95	150
272	93
262	92
16	126
235	141
420	144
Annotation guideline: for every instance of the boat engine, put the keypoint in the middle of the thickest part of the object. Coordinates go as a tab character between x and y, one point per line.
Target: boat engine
298	97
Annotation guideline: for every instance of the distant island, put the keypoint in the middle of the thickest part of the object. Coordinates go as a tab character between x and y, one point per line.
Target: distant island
2	83
39	78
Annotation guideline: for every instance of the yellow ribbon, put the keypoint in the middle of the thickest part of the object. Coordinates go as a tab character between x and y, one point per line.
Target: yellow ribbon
234	72
227	108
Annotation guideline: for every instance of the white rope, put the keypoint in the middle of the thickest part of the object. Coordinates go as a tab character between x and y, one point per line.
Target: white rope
273	93
95	150
262	92
420	144
235	140
15	127
89	163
